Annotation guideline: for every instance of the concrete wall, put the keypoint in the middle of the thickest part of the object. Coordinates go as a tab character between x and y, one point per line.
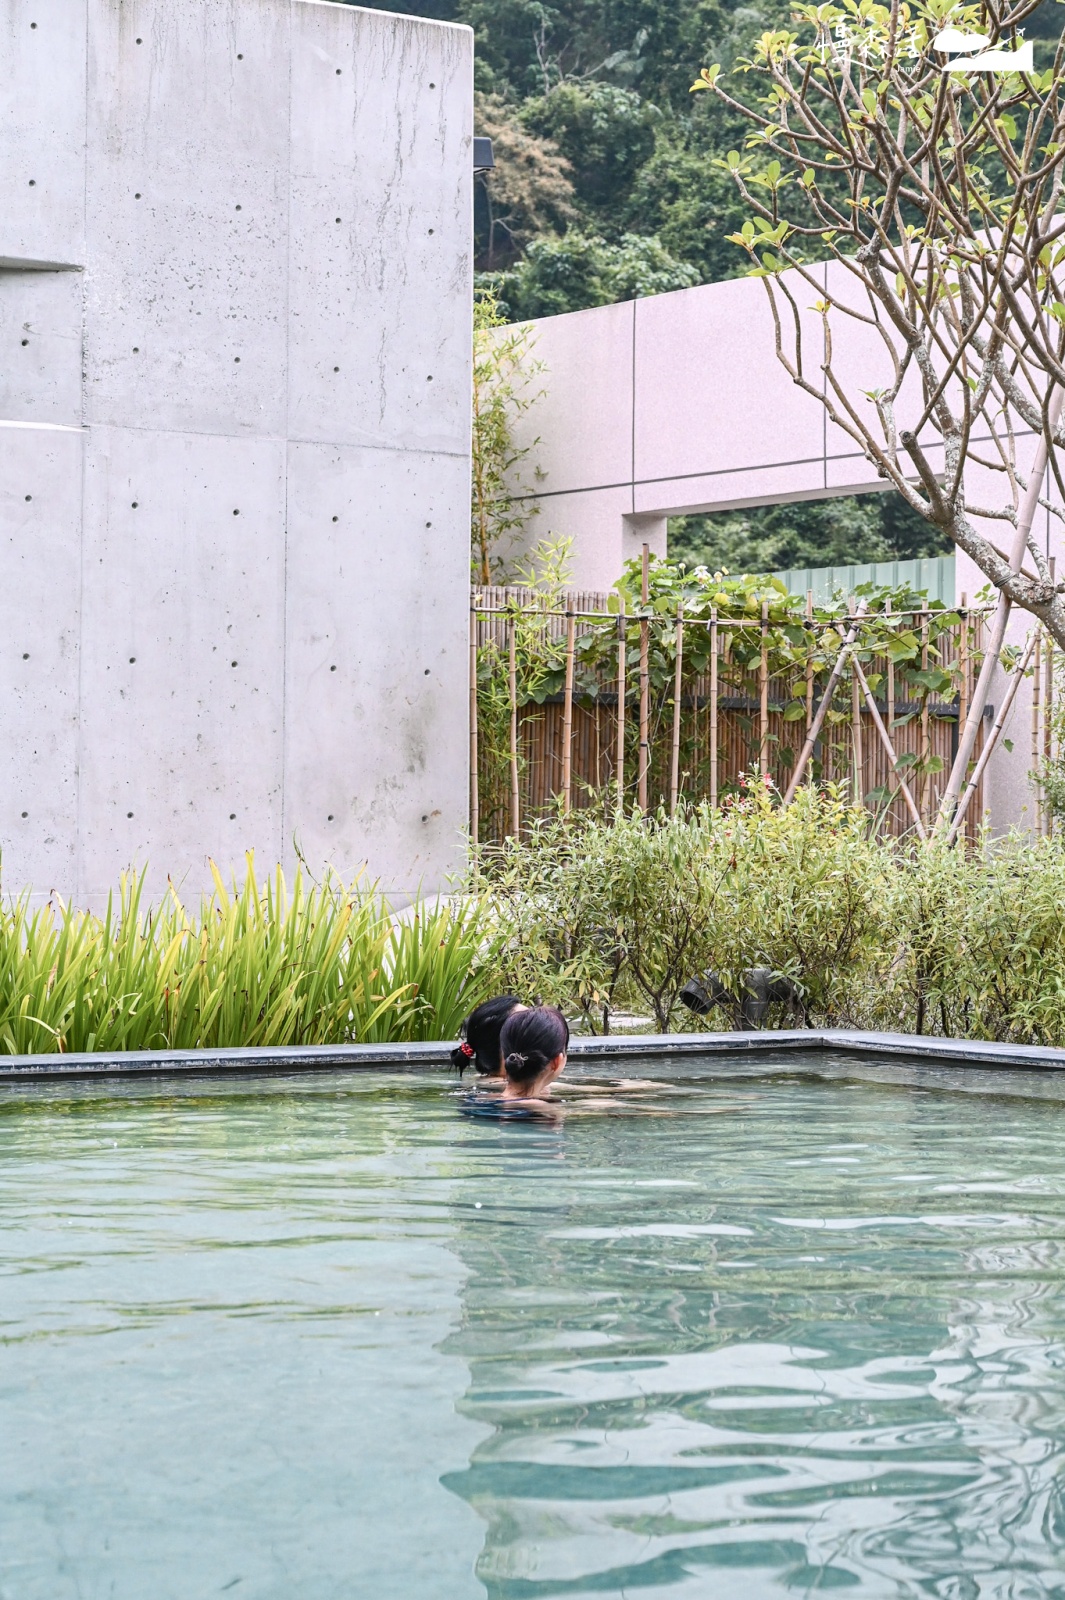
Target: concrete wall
677	404
235	258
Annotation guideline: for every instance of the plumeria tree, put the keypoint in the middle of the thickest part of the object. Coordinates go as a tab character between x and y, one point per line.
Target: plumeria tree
918	150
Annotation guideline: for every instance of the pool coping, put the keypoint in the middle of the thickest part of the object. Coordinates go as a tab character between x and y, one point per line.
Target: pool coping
414	1057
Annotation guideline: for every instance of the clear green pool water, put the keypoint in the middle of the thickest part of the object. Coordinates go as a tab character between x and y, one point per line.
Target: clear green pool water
753	1331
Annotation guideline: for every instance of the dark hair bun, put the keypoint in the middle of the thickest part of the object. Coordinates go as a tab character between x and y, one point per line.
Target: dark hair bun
480	1035
531	1040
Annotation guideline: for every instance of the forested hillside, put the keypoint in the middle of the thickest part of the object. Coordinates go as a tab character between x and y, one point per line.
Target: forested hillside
605	190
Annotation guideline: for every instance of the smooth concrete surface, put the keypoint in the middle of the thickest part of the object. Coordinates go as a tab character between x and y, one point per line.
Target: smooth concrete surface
234	441
422	1057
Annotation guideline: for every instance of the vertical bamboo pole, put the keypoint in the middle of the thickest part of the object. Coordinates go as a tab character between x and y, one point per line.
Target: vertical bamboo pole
1048	710
926	782
763	694
713	708
809	659
620	763
674	770
567	713
857	752
1037	742
475	820
890	688
644	686
515	793
963	662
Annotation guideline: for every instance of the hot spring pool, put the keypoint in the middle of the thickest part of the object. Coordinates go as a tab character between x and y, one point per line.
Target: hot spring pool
768	1327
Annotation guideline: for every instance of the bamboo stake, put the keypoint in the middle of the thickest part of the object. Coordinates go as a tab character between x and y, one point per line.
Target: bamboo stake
926	780
674	771
1025	517
809	660
857	753
822	710
1037	673
620	764
889	748
963	663
644	688
890	683
713	708
515	792
763	694
1048	711
567	714
475	820
1012	685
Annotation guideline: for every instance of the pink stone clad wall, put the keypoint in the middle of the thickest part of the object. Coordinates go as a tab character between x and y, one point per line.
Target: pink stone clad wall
678	403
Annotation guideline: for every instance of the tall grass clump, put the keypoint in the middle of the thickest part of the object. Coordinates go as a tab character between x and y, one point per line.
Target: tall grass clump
254	965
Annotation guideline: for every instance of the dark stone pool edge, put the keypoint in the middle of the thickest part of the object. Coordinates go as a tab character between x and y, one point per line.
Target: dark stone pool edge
415	1057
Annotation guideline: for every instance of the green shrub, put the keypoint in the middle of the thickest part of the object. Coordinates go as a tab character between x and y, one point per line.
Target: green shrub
603	914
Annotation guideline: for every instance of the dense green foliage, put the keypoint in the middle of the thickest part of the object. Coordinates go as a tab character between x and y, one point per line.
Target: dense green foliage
270	966
818	533
611	914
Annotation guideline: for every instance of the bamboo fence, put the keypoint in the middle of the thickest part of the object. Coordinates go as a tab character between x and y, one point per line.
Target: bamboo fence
693	740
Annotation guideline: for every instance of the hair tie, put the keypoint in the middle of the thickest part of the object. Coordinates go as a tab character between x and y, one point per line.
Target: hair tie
516	1055
466	1049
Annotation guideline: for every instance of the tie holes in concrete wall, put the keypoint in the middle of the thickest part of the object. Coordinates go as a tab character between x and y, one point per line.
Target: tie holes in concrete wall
25	655
232	663
33	183
425	674
136	197
429	379
134	504
33	24
136	349
25	813
428	524
132	659
29	497
236	359
25	341
236	512
339	71
432	86
329	818
336	519
232	816
240	58
129	813
140	41
336	369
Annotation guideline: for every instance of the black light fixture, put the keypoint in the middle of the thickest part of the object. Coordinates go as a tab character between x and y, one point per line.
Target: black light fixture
483	159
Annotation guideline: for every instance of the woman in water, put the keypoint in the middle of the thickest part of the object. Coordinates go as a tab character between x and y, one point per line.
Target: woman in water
480	1036
534	1043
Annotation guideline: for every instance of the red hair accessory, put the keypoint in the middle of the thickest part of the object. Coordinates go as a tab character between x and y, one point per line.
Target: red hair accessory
467	1050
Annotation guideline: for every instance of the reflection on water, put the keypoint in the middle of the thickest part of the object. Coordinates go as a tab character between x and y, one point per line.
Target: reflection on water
815	1344
323	1337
